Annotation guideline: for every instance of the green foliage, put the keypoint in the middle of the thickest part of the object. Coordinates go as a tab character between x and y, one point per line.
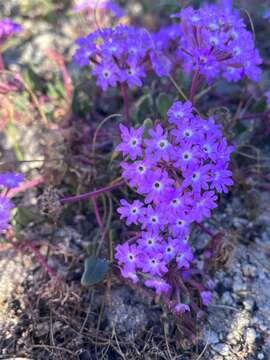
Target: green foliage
163	103
142	106
147	124
95	270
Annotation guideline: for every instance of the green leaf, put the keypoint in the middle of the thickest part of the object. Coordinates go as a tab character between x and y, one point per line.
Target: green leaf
142	107
163	104
95	270
147	124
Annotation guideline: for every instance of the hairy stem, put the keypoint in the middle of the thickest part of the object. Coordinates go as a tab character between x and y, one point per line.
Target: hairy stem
92	194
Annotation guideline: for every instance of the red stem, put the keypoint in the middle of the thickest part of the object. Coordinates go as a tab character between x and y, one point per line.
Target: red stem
92	194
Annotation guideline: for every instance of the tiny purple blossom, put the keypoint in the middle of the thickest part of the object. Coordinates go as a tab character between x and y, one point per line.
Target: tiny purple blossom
133	212
153	264
181	308
158	146
10	180
131	141
160	285
127	255
206	297
5	212
8	28
221	178
179	111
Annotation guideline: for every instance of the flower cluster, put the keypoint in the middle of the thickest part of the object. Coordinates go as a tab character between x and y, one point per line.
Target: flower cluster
7	181
103	5
177	174
7	29
214	42
115	55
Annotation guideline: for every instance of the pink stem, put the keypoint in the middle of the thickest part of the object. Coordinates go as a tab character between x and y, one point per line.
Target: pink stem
97	213
25	186
2	65
92	194
41	259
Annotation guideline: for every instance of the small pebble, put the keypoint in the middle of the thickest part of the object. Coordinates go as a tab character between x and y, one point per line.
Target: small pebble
251	336
249	270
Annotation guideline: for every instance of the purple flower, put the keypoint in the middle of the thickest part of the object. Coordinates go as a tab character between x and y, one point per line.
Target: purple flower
180	111
187	156
137	172
10	180
157	185
6	207
86	5
215	42
153	264
107	74
206	297
127	255
179	223
158	146
133	212
181	308
184	257
159	285
152	220
149	242
132	142
178	201
129	273
220	178
133	74
197	177
178	176
116	55
203	204
170	249
8	28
